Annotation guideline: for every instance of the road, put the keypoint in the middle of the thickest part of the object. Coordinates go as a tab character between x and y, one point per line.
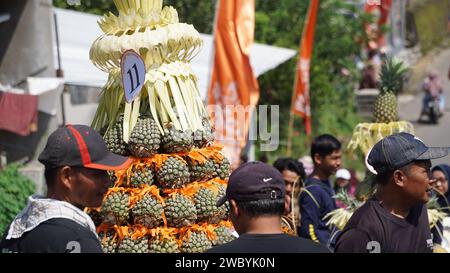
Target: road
409	109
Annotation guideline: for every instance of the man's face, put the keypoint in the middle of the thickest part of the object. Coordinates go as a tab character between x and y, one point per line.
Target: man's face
329	164
290	178
417	184
91	186
441	181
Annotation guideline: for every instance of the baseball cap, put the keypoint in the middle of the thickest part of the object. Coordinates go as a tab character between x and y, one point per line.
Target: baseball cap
80	146
343	173
254	181
398	150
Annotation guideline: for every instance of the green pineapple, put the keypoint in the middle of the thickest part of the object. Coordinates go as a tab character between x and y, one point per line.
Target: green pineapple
115	208
205	203
177	141
164	245
385	107
204	138
148	212
223	235
129	245
224	209
180	211
113	139
201	172
141	176
145	138
222	169
109	243
173	174
196	242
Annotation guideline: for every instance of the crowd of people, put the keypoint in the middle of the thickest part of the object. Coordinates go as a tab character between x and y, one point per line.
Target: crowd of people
395	219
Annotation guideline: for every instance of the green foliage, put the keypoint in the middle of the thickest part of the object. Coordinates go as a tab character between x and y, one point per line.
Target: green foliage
14	191
98	7
338	33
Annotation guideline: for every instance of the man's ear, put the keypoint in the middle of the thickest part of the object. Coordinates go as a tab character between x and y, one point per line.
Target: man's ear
399	178
65	176
234	207
317	159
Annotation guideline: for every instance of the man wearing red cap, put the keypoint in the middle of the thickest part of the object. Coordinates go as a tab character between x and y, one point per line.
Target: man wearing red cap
76	163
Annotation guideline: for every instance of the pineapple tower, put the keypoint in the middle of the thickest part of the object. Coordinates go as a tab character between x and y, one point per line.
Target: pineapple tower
165	202
385	112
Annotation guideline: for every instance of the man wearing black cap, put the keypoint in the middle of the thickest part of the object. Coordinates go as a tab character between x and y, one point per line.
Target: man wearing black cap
256	193
396	219
76	163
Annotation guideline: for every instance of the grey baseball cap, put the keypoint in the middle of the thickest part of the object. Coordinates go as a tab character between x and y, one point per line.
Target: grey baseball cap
398	150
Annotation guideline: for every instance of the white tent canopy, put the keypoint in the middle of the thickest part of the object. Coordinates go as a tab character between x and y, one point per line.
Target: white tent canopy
77	31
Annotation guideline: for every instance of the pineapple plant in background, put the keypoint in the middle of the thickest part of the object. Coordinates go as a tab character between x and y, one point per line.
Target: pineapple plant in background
165	201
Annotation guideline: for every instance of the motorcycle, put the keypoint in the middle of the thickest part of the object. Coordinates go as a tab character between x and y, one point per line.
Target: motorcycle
432	110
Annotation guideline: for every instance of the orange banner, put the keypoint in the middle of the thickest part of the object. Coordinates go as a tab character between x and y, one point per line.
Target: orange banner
234	90
384	7
300	100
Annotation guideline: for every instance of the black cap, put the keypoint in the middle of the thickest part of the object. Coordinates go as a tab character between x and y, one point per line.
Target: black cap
398	150
254	181
80	146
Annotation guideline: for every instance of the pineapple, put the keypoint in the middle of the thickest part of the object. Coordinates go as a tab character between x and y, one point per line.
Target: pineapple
204	138
195	242
145	138
129	245
201	172
113	139
173	174
141	176
115	208
205	203
164	245
180	211
176	141
148	212
222	169
223	235
109	244
385	107
224	209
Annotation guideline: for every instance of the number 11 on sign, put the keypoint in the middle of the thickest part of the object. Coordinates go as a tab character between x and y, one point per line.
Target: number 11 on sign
133	74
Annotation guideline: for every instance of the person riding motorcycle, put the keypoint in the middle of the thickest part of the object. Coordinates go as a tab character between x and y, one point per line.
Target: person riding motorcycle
432	87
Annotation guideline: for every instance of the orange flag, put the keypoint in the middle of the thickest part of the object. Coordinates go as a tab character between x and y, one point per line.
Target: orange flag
234	90
300	100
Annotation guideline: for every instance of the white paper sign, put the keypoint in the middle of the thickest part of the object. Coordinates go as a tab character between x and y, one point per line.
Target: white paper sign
133	74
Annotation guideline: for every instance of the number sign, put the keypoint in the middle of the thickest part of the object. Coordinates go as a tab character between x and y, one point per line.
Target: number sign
133	74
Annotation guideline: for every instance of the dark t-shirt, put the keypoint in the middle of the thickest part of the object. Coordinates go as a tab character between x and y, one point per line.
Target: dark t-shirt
58	235
269	243
313	208
373	229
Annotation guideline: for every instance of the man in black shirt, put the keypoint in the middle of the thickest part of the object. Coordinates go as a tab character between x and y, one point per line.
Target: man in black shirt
76	161
256	193
395	220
